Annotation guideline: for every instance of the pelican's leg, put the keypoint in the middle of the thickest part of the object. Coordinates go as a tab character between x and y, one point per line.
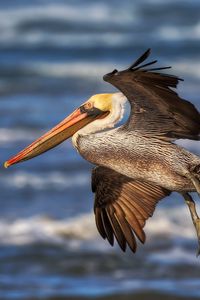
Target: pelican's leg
195	218
195	181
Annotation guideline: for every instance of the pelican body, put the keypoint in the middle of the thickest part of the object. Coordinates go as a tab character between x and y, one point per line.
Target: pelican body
162	163
138	163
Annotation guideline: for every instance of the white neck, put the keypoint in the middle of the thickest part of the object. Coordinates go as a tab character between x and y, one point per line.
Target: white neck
115	115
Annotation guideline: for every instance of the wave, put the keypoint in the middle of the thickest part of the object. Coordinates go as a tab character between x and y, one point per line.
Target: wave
99	13
186	288
66	40
188	68
71	69
173	256
67	25
173	271
91	70
38	40
167	224
180	33
44	229
8	135
41	181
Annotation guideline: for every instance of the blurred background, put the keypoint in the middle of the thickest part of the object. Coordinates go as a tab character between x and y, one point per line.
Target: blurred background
53	55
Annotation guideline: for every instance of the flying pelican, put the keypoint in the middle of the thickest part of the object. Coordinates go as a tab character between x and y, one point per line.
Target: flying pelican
137	164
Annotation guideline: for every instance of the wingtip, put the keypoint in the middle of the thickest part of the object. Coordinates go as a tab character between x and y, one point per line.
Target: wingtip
142	58
148	51
160	68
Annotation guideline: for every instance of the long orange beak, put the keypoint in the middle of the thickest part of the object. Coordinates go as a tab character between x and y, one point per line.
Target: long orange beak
64	130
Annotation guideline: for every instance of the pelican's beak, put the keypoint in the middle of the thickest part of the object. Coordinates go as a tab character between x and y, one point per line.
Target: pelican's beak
64	130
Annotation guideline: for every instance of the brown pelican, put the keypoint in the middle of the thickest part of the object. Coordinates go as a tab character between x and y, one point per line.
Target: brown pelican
137	164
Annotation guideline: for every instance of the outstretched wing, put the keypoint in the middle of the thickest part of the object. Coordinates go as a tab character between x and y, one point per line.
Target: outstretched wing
122	206
156	109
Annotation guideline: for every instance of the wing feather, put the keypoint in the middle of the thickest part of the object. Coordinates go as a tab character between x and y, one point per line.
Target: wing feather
138	209
107	226
116	227
140	59
125	227
99	223
122	206
156	108
134	223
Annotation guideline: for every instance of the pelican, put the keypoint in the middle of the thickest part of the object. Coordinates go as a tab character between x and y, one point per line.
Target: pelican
136	164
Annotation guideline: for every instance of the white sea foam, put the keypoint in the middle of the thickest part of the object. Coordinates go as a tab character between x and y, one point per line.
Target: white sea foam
188	67
76	69
15	135
180	33
185	68
89	69
184	287
44	229
15	33
65	39
56	180
93	13
171	223
173	256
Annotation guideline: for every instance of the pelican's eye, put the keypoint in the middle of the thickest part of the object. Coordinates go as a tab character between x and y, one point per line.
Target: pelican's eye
88	105
89	108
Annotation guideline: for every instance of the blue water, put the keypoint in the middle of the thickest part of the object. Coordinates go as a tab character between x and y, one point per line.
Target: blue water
53	55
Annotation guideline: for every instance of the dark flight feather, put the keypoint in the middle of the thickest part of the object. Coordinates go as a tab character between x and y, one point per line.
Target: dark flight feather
157	110
122	206
145	65
140	59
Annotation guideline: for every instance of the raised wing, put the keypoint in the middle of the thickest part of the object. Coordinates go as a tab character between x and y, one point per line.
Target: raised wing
122	206
156	109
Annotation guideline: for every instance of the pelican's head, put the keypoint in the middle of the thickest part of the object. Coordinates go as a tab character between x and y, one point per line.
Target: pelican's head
102	102
95	109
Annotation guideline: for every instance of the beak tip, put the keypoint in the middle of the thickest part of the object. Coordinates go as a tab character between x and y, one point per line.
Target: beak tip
6	164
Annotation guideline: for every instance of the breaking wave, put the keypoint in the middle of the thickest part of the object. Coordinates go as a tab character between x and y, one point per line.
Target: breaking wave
40	181
167	223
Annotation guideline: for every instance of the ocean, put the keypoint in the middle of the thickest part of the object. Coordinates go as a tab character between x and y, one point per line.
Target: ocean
53	55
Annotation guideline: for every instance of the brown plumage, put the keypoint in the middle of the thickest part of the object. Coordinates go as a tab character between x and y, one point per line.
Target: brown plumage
158	110
137	163
122	206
